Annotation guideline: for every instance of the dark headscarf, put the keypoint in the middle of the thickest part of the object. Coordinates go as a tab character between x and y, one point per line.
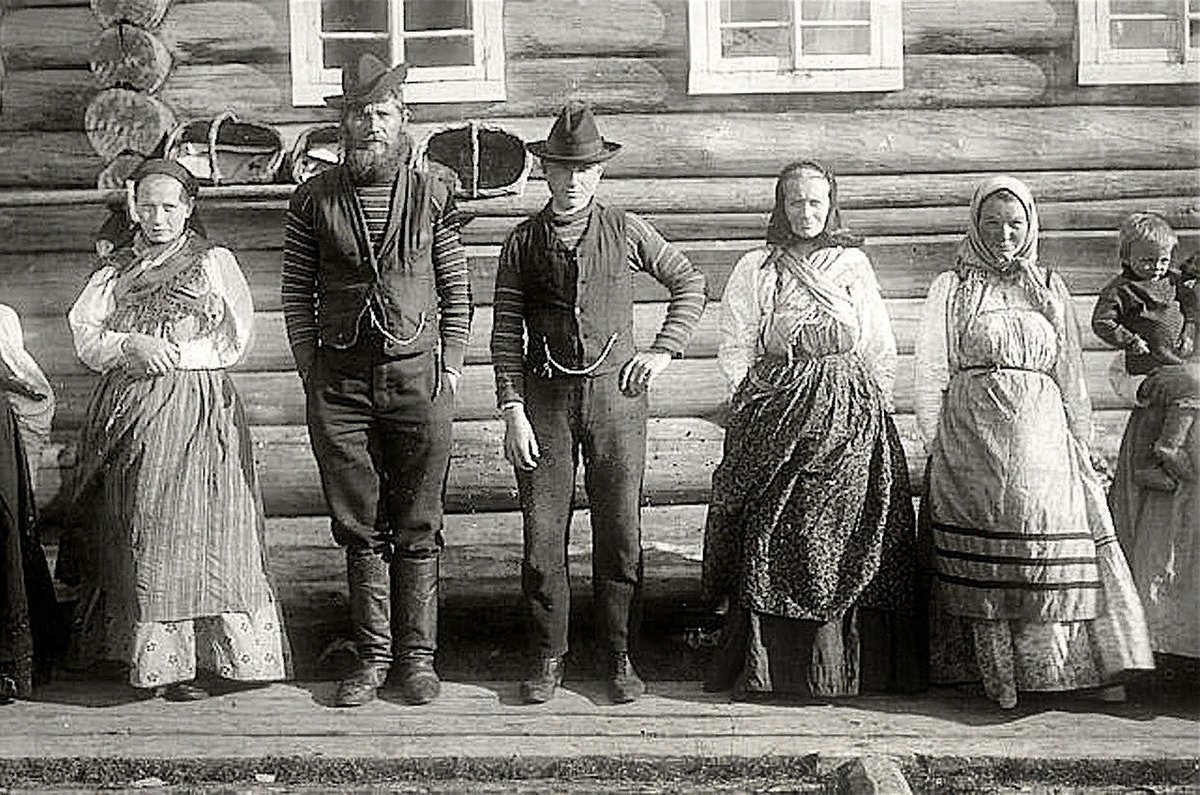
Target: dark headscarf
779	230
120	228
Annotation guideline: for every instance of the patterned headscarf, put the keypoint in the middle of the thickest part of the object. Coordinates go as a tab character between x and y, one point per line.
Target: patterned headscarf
974	252
779	229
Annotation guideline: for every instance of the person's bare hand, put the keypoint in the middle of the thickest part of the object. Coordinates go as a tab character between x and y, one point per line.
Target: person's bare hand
146	355
639	372
1139	346
520	442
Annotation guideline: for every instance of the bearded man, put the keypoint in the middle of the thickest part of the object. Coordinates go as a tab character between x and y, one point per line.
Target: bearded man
377	301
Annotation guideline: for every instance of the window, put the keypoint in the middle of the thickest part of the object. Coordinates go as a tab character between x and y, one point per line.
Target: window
1139	41
454	48
776	46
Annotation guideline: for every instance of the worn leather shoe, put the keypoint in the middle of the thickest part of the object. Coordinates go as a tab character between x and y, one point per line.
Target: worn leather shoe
540	688
624	684
419	683
360	687
184	691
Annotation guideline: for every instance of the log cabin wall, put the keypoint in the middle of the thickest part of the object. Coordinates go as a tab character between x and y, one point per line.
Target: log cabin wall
988	87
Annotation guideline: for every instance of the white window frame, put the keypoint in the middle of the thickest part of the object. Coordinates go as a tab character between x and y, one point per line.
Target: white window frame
1101	64
481	82
710	73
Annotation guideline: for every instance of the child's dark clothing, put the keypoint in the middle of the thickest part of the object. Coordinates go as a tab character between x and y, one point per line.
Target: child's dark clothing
1157	312
1153	310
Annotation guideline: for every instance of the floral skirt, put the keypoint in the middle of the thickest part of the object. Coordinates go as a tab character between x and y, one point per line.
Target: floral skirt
810	535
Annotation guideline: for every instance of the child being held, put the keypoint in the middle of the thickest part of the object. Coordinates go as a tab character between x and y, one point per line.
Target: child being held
1150	312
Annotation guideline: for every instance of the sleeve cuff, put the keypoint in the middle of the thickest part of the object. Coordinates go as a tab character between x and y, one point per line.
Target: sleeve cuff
666	346
454	355
509	393
304	355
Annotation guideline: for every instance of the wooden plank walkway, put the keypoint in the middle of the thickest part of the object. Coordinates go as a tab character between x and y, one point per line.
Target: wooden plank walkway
484	720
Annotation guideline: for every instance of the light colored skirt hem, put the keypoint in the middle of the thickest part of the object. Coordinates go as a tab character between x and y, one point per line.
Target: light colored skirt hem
1014	656
241	647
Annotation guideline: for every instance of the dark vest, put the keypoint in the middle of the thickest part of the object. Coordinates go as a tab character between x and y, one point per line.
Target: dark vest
578	302
389	288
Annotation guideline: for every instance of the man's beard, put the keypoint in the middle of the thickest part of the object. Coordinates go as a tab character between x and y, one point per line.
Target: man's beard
373	165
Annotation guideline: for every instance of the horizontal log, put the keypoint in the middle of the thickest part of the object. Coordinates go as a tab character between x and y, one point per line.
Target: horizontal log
866	142
689	388
48	338
258	225
680	458
723	194
256	31
40	160
538	87
47	283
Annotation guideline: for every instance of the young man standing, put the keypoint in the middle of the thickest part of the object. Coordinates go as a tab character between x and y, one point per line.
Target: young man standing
377	301
570	380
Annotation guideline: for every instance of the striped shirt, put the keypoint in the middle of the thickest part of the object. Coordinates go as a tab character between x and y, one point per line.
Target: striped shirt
648	252
299	289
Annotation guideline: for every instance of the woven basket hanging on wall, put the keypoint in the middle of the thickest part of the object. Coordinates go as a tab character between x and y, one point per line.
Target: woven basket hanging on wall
226	150
479	160
317	148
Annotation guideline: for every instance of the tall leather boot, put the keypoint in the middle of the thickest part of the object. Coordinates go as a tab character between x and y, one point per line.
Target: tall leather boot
414	627
367	575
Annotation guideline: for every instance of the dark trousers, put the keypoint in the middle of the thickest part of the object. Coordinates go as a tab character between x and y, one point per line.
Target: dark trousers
380	429
589	416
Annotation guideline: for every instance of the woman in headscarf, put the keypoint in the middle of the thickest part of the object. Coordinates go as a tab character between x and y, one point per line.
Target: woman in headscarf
810	534
29	622
1032	591
172	556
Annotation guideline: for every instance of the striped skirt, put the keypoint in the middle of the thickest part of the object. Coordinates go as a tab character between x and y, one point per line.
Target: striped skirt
1029	576
171	522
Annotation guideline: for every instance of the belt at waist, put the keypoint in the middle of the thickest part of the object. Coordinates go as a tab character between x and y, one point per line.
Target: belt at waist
995	368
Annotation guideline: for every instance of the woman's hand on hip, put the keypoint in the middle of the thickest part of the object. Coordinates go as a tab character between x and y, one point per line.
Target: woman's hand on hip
520	442
640	371
146	355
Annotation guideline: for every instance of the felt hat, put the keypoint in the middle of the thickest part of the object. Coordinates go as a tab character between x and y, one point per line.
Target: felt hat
367	80
574	138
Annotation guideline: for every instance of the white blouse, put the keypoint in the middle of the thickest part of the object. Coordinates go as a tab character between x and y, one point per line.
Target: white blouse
934	358
746	307
33	416
100	348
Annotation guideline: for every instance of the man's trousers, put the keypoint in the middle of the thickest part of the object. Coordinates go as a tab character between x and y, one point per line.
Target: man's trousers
589	416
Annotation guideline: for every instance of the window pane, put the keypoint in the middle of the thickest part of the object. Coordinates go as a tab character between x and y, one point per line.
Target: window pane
437	14
1164	7
836	41
1144	34
1194	33
337	52
341	15
844	10
756	10
451	51
756	42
